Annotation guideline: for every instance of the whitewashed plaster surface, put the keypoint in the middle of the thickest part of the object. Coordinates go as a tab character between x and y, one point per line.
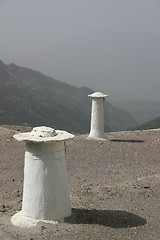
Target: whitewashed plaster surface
97	116
45	190
43	134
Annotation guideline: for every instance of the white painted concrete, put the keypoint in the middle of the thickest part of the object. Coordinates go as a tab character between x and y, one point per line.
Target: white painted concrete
97	117
43	134
45	190
20	220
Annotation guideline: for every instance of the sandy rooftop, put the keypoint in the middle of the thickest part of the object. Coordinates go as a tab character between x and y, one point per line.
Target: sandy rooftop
114	188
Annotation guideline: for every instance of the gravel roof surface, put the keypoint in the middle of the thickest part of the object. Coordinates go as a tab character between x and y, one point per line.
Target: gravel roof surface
114	188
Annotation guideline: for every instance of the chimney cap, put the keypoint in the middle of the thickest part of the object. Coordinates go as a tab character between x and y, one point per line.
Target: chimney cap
97	95
43	134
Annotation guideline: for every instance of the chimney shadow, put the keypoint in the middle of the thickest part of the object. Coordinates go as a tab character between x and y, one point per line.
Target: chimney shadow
107	218
127	140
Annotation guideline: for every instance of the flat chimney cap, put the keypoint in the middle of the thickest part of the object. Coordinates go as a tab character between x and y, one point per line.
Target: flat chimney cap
97	95
43	134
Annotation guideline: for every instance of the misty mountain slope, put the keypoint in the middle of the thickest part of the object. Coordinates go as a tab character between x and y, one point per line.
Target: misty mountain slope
142	110
113	114
28	97
153	124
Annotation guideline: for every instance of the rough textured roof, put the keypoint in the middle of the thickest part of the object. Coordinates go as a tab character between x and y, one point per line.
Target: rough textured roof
114	188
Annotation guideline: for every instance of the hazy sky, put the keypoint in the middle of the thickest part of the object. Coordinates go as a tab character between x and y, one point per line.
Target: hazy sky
111	46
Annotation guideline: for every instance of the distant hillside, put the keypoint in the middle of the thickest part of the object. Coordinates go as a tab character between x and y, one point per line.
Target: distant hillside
142	110
155	123
28	97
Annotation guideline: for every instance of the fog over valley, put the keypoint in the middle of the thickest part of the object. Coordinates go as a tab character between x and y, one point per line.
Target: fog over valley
110	46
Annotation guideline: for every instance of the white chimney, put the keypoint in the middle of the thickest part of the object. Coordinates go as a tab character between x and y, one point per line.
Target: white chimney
97	116
45	191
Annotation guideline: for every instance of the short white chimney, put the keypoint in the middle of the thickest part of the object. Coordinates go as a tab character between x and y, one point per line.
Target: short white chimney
45	191
97	116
